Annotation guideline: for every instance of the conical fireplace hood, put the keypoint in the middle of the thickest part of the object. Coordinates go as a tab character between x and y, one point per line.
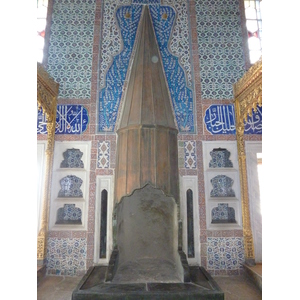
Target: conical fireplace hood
147	100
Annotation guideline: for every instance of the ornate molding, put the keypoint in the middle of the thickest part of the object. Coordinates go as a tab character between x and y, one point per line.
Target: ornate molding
248	90
247	96
47	91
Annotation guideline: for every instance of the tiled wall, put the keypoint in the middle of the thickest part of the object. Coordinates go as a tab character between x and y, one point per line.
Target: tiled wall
220	47
90	59
71	45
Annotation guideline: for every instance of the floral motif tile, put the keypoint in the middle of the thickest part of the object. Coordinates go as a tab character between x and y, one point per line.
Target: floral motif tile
72	159
70	187
71	47
66	256
220	47
223	214
225	253
69	214
220	158
222	186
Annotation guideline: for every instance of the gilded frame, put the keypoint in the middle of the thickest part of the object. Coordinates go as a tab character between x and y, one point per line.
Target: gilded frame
247	96
47	92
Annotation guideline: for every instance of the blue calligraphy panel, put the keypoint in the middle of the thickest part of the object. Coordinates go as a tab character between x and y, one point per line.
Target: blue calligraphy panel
220	119
70	119
254	123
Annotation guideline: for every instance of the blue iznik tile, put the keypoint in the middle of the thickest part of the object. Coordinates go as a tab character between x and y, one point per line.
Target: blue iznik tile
220	119
70	119
110	95
70	187
72	159
220	158
181	95
220	47
223	214
69	214
254	123
222	186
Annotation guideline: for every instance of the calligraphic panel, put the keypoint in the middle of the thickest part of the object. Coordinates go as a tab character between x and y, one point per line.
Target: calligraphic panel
220	119
120	25
70	119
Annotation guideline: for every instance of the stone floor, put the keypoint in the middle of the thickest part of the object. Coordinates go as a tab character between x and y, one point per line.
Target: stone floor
61	287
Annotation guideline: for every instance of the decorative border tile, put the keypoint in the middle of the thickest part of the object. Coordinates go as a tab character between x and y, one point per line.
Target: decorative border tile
103	160
190	158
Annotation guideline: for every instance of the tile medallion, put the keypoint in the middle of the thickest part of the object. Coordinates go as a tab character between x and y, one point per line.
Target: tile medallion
71	47
66	256
222	186
70	187
225	253
103	160
120	25
72	159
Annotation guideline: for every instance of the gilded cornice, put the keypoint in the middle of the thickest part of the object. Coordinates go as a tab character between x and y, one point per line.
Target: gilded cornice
47	91
248	90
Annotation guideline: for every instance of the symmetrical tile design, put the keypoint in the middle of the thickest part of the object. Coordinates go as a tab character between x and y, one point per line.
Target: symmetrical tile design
69	214
225	253
222	186
220	47
223	214
66	256
70	187
72	159
70	119
220	158
190	158
103	155
71	45
115	63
